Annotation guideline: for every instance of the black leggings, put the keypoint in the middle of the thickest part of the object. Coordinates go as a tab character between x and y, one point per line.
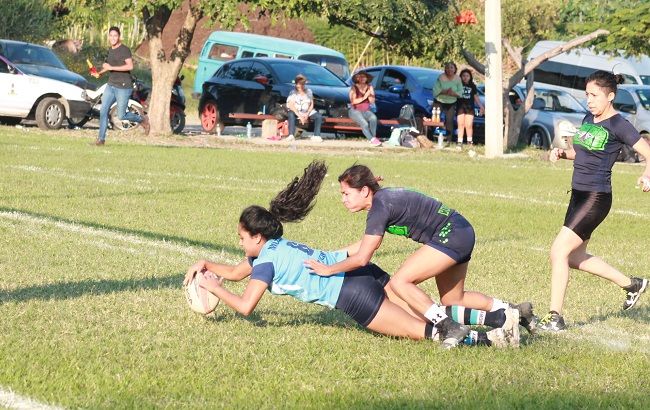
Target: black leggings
586	211
450	116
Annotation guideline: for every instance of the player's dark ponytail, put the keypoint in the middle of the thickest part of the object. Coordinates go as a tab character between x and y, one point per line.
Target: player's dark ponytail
292	204
606	80
358	176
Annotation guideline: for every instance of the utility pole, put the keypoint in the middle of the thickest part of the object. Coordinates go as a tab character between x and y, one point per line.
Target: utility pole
493	80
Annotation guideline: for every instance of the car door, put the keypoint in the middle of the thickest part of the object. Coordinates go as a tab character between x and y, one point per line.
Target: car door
18	91
260	84
233	88
389	103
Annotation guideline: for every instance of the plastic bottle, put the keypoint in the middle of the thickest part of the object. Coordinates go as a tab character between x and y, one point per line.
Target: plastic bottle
249	130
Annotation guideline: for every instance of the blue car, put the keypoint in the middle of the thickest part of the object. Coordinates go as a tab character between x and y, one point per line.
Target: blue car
396	86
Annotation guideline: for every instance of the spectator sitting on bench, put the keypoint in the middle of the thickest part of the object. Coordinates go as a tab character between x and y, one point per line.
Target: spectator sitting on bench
362	97
300	104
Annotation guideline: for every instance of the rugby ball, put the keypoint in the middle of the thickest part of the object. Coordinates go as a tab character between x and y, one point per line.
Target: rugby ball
200	299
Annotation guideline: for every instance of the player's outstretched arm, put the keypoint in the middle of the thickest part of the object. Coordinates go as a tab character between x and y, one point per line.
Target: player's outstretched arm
244	304
643	148
229	272
369	244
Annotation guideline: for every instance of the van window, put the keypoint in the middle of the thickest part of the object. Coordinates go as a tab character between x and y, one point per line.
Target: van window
246	54
624	102
222	52
563	75
282	56
261	55
645	79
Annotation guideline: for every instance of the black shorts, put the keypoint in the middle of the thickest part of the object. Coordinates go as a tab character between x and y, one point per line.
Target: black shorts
363	293
455	238
586	211
465	107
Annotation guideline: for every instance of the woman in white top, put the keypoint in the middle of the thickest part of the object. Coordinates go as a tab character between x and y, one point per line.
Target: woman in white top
300	105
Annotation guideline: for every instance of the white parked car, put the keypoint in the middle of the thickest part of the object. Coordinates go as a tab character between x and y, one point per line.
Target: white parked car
49	102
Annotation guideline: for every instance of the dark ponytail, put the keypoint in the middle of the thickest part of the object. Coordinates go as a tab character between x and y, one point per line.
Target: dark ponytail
606	80
292	204
358	176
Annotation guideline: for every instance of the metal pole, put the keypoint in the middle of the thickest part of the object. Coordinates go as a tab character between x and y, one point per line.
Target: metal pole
493	81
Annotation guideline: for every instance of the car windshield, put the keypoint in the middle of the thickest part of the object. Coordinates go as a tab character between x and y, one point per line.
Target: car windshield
644	96
426	78
316	75
336	65
20	53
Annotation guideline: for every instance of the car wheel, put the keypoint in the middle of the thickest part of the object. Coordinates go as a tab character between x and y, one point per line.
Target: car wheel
124	125
177	118
210	118
50	114
536	137
10	120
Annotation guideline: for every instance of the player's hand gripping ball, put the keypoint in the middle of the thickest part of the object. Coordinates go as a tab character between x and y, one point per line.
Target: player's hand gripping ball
200	299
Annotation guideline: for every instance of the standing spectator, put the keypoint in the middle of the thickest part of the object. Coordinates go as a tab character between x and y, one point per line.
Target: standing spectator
446	91
118	65
465	107
362	96
300	104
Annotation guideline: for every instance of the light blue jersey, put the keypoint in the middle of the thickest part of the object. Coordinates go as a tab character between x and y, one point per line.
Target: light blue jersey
281	264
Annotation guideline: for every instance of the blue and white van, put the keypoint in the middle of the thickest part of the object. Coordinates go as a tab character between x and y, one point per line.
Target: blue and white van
222	46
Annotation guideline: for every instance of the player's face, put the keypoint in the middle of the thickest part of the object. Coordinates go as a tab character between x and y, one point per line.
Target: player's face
113	37
355	199
252	245
598	99
465	77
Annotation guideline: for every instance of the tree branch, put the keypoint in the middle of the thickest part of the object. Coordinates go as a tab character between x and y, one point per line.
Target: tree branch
473	62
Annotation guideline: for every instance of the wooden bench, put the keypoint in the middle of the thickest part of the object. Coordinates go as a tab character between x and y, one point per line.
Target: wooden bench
329	123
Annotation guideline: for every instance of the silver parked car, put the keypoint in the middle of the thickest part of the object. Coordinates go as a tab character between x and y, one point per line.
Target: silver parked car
633	102
553	118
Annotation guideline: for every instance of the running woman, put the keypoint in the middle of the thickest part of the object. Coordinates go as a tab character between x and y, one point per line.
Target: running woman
595	148
447	238
278	265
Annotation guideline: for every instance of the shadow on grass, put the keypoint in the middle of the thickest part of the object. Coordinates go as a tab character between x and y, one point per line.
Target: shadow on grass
208	246
71	290
100	195
640	314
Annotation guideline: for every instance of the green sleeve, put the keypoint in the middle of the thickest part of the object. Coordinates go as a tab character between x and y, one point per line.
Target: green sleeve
458	88
437	87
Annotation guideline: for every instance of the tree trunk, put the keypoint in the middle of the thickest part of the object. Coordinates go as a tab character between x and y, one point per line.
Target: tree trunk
165	67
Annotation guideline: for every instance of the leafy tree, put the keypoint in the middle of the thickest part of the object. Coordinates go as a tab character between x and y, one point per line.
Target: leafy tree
17	15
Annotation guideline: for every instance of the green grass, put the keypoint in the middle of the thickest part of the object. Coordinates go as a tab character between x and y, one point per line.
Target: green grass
94	244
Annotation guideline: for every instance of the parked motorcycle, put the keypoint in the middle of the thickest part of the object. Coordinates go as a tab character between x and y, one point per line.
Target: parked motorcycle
142	92
94	97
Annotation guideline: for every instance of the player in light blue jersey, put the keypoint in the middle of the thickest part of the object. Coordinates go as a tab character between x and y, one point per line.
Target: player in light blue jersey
276	264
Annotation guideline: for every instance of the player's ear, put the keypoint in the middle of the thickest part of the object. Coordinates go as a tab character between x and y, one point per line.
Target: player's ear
365	191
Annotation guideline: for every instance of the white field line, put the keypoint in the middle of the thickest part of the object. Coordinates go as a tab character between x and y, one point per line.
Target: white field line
12	400
120	237
611	338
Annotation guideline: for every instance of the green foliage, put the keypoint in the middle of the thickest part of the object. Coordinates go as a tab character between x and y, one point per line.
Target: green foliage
26	20
94	244
628	22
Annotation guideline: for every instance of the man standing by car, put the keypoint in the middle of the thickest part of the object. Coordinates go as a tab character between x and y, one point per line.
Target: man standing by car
118	65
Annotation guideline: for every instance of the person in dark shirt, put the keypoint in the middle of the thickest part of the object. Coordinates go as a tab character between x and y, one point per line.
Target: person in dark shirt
277	265
447	238
465	107
595	147
118	65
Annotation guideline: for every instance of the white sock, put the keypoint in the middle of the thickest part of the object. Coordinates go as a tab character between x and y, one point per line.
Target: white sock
435	314
498	304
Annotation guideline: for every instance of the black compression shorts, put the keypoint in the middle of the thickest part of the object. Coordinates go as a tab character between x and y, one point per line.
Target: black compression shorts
455	238
586	211
363	293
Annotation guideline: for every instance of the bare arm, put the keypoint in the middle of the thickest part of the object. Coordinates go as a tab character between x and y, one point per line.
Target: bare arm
244	304
559	153
127	66
643	148
369	244
229	272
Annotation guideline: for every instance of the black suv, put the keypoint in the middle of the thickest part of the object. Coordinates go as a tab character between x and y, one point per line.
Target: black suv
262	85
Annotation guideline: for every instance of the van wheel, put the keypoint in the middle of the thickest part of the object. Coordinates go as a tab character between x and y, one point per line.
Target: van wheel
536	137
210	118
50	114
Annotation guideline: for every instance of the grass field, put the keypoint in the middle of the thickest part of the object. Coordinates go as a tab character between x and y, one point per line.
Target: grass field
94	243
